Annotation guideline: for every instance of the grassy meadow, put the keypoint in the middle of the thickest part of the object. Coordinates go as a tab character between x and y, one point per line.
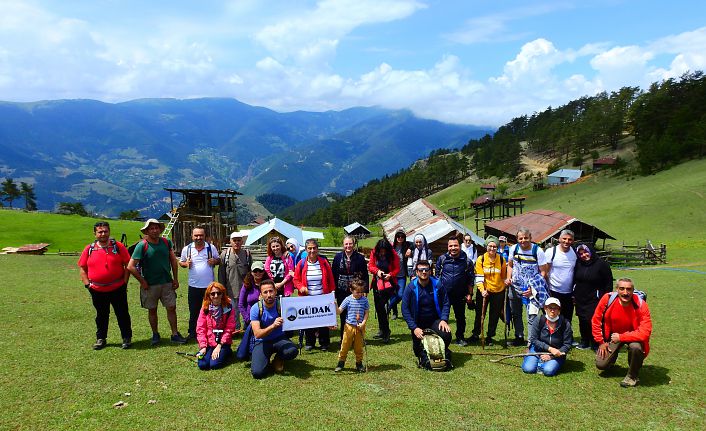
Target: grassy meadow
52	379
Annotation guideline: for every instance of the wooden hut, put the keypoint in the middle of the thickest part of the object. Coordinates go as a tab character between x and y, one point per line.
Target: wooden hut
212	209
357	230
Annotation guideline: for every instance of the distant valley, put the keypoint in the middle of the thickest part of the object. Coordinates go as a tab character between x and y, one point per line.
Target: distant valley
114	157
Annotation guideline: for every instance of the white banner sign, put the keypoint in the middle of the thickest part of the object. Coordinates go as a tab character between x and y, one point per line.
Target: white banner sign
303	312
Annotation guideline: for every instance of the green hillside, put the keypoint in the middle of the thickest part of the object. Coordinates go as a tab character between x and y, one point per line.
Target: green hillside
668	207
63	232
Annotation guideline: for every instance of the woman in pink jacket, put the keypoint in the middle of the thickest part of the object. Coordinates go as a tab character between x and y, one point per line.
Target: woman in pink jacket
214	328
280	266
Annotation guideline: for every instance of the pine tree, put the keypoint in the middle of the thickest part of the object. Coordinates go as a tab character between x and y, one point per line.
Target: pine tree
10	192
30	198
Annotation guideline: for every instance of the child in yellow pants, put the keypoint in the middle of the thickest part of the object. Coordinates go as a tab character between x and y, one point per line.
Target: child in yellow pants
354	330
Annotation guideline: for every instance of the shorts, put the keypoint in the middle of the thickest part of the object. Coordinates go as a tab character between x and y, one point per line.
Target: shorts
150	298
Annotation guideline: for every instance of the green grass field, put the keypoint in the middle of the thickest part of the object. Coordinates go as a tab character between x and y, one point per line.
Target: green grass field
51	378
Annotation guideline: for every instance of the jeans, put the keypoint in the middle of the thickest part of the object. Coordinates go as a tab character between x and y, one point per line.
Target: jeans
282	348
516	307
102	302
397	298
195	298
206	363
532	364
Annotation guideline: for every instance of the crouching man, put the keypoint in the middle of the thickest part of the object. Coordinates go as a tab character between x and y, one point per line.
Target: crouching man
269	337
625	321
425	305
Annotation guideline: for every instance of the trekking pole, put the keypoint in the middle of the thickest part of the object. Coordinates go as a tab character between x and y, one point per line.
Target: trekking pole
482	323
193	357
517	355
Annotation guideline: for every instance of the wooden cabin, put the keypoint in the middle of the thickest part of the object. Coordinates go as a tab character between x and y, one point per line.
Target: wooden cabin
210	208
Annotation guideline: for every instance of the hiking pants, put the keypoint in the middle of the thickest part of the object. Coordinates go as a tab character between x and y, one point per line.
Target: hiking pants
206	363
457	298
381	297
636	355
195	298
282	348
516	307
494	307
102	302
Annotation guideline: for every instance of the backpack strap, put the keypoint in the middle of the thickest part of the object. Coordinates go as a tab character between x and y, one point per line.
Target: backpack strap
611	299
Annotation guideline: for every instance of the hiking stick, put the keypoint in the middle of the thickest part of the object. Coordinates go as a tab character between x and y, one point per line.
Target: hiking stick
518	355
507	318
482	323
193	357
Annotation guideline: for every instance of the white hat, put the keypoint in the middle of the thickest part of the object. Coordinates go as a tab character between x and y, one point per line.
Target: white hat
152	221
236	235
552	300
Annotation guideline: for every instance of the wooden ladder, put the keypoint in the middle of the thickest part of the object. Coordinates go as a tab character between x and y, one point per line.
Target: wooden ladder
172	221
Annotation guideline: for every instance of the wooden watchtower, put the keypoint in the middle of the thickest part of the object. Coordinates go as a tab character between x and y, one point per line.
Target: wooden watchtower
212	209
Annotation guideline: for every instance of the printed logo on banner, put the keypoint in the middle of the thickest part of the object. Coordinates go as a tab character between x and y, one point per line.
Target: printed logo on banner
291	314
304	312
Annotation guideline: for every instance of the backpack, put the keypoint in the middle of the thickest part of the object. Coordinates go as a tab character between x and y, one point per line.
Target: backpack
554	253
516	247
112	243
247	343
248	258
141	264
208	249
641	295
434	354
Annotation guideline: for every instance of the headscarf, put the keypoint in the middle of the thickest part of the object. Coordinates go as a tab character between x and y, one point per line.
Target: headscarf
296	247
420	254
492	238
591	253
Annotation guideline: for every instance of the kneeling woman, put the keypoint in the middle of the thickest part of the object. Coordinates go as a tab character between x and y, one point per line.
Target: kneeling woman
214	328
550	333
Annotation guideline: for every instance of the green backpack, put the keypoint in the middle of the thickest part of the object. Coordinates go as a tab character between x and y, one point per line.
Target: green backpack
434	356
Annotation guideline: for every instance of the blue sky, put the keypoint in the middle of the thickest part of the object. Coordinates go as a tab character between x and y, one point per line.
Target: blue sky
460	61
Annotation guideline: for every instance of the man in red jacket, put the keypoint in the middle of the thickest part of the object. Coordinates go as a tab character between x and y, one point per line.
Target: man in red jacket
625	321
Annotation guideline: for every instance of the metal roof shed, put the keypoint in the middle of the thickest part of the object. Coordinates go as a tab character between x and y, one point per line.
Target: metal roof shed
545	225
564	176
356	229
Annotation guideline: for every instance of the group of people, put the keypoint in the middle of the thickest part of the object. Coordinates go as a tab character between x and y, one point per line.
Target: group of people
547	284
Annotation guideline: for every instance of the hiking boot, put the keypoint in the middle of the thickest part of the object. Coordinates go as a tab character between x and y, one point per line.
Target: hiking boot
177	338
100	344
386	339
324	348
339	367
127	343
278	365
489	341
359	367
461	342
473	339
629	382
156	338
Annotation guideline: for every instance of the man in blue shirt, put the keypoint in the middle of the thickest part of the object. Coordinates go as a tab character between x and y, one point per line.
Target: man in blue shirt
425	305
269	337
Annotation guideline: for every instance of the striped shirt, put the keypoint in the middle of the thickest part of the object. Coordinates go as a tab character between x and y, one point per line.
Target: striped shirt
314	279
356	309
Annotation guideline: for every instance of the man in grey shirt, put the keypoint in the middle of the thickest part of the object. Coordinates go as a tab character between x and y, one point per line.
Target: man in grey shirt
235	265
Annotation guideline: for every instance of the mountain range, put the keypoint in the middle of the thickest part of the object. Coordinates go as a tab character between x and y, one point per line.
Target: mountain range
118	156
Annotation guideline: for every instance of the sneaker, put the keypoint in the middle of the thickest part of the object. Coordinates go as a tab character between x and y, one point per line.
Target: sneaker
489	341
156	338
519	342
339	367
473	339
100	343
278	365
177	338
324	348
574	343
308	348
629	382
386	339
359	367
190	336
127	343
583	346
461	342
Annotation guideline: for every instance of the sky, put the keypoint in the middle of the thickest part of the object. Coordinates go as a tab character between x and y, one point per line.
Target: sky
458	61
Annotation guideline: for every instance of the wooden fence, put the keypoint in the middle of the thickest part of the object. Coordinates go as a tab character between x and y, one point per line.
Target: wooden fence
635	255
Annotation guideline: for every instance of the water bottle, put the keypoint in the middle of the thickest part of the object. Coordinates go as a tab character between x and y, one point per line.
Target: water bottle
525	300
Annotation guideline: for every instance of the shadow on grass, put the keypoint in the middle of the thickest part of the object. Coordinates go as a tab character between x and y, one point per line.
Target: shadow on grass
650	375
572	366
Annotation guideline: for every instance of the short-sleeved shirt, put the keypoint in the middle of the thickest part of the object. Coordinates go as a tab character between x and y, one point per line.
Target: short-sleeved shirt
200	272
105	265
277	269
525	256
561	273
314	279
156	265
268	317
356	309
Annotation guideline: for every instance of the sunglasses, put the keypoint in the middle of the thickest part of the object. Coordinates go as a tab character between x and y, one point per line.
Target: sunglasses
423	269
215	293
257	271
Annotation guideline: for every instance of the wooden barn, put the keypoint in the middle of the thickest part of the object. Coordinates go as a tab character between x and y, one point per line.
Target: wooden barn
357	230
210	208
545	226
422	217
